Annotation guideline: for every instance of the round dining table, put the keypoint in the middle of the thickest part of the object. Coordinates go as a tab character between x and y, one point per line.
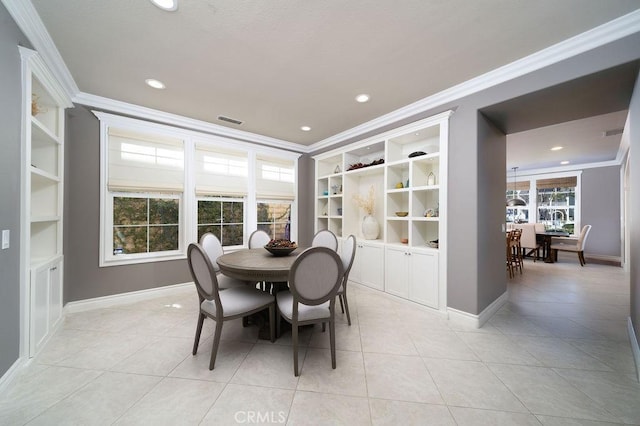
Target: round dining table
257	264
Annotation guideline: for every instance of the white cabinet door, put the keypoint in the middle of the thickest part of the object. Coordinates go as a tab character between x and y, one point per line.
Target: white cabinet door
46	302
423	273
39	322
397	271
55	293
368	266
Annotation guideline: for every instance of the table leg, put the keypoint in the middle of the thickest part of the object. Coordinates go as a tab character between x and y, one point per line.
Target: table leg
547	248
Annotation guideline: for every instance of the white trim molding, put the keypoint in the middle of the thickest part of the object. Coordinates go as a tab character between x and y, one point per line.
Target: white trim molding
635	349
468	320
10	375
125	298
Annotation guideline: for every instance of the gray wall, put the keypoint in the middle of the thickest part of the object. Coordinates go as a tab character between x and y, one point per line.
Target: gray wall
306	178
83	278
10	160
633	222
600	208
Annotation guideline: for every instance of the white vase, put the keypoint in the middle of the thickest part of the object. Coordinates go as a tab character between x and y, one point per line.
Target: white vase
370	228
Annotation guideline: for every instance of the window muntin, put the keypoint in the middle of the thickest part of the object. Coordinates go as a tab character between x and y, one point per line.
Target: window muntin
274	217
145	223
224	217
557	207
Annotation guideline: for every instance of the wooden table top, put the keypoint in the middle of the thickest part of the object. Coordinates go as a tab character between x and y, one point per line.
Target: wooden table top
257	265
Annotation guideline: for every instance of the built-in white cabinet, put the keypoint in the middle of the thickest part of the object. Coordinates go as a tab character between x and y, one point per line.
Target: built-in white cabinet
44	102
46	301
404	173
368	265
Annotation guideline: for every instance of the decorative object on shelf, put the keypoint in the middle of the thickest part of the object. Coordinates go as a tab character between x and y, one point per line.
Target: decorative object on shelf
515	201
362	165
334	189
370	227
404	240
339	211
429	213
325	192
417	154
402	214
406	185
399	185
35	108
433	244
431	179
337	169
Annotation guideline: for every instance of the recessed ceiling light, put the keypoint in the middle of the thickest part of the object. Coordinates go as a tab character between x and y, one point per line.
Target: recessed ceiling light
168	5
305	128
156	84
556	148
362	98
564	162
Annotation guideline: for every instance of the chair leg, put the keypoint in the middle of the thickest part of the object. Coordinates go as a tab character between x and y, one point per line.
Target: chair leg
216	343
555	255
332	340
278	319
272	322
198	332
294	335
581	258
341	303
346	307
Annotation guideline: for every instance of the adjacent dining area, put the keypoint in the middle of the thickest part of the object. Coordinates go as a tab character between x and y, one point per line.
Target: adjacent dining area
527	240
290	283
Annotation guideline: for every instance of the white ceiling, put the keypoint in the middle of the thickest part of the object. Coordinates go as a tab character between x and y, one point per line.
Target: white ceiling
281	64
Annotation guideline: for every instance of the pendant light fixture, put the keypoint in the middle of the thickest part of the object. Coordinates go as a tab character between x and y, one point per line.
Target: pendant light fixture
515	201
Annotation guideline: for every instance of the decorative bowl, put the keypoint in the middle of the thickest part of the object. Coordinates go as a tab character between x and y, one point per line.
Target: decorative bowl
280	251
417	154
402	214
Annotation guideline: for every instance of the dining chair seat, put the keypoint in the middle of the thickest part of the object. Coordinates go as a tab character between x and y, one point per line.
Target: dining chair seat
237	300
226	282
305	312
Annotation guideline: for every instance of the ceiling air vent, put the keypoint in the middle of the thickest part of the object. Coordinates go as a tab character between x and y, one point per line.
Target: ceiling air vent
229	120
612	132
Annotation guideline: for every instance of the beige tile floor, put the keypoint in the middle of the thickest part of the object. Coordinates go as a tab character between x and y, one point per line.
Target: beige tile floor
556	354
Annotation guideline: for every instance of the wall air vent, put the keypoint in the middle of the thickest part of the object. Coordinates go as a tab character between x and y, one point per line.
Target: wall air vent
229	120
612	132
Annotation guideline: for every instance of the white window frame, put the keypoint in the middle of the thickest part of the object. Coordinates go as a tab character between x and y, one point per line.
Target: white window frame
188	206
224	198
141	257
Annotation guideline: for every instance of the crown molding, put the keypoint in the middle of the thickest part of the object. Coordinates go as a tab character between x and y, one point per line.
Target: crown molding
27	18
570	167
591	39
137	111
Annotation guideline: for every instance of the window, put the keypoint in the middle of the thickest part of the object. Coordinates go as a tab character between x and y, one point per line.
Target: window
274	217
224	217
145	223
518	214
163	187
556	201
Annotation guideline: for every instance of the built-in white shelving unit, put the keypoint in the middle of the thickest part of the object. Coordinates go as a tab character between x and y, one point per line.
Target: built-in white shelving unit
42	199
407	168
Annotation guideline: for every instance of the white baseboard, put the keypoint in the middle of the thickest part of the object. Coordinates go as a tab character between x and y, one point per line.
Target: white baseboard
634	346
122	298
8	377
466	319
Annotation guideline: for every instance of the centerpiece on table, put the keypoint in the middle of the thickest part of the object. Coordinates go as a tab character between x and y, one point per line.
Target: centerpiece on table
280	247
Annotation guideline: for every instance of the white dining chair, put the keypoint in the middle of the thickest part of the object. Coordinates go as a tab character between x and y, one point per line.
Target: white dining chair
325	238
575	246
213	249
258	238
314	279
221	306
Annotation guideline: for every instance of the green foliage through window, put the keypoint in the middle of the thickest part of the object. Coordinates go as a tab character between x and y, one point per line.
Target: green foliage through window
145	224
224	218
